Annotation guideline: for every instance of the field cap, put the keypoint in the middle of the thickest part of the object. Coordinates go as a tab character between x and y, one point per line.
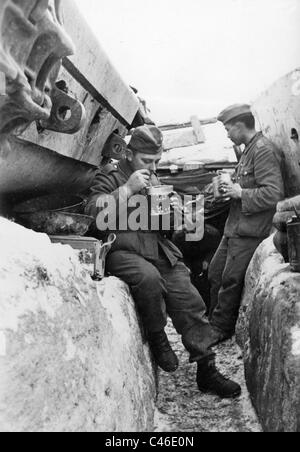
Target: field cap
233	112
147	140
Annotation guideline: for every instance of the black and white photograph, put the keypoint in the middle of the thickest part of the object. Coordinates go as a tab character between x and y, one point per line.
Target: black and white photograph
149	219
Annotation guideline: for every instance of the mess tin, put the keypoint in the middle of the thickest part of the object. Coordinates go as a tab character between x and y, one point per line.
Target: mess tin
92	252
159	196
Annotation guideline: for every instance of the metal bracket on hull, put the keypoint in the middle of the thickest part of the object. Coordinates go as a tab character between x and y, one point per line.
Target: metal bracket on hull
67	114
32	47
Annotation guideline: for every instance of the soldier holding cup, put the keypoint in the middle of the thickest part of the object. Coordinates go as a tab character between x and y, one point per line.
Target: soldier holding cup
255	190
153	266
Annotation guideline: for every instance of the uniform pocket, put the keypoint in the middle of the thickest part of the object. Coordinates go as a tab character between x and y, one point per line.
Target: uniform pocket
247	177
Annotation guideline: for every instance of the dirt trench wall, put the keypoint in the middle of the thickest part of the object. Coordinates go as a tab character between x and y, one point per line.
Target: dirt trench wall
269	332
72	356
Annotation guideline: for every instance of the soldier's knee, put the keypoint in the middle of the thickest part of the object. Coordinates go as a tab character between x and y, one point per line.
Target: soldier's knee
150	277
149	281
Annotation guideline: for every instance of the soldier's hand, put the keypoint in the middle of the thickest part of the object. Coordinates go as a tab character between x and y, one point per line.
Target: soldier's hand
176	202
137	181
232	191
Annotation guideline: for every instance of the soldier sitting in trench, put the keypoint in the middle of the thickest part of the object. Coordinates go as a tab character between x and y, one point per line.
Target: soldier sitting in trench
153	266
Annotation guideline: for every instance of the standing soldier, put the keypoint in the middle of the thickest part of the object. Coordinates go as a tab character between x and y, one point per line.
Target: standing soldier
153	268
257	188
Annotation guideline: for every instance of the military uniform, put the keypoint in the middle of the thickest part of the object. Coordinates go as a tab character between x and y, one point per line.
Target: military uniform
248	224
153	268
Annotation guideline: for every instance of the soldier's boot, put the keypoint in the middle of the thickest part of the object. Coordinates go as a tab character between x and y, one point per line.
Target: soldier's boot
209	379
217	336
163	354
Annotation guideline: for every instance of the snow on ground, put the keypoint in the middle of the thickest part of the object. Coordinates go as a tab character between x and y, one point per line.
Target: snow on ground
181	407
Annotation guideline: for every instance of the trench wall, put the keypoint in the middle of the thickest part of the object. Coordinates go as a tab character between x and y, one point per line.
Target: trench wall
72	356
269	333
277	113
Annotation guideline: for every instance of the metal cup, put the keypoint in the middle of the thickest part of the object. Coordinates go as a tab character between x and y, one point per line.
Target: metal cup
218	193
293	236
159	196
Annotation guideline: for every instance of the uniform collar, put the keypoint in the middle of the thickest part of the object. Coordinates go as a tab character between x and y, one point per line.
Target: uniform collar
125	168
252	142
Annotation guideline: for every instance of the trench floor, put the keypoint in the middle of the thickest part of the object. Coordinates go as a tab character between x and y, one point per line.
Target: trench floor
181	407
